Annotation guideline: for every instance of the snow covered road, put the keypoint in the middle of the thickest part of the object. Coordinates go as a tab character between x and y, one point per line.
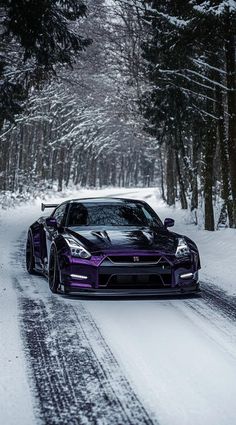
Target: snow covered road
64	360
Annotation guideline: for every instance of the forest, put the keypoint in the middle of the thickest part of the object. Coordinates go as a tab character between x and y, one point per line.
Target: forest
130	93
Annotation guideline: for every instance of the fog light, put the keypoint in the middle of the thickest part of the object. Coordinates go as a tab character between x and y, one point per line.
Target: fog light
186	276
78	276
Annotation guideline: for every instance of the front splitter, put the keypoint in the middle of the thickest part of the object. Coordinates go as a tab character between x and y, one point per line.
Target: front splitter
134	292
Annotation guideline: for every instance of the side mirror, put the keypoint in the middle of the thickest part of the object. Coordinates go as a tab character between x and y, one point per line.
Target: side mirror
51	222
169	222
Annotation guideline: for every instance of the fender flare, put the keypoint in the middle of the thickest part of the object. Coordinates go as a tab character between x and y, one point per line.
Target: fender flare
54	246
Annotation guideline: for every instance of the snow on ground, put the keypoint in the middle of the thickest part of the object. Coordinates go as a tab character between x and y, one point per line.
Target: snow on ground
16	403
181	366
15	397
182	362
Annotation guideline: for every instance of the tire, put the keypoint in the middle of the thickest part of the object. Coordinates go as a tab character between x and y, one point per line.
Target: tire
53	272
29	255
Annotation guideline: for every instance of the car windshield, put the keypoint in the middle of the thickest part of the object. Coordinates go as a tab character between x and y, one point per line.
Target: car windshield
122	214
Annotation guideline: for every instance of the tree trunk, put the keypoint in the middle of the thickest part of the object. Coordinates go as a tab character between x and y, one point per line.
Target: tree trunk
208	178
226	192
194	181
183	199
61	169
170	178
231	97
162	175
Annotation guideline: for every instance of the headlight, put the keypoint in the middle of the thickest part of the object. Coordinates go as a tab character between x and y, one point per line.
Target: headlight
182	248
77	250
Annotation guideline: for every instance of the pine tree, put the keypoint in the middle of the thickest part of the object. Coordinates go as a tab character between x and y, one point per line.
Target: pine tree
36	36
190	56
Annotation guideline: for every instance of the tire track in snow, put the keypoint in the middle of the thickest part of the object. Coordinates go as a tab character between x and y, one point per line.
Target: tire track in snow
219	300
76	378
215	313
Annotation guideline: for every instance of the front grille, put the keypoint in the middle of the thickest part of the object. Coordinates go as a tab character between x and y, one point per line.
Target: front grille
137	259
145	281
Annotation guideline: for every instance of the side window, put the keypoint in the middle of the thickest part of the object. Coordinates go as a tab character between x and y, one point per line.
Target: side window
59	213
147	214
151	216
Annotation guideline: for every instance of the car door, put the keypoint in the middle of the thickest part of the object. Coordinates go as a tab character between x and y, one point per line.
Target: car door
51	232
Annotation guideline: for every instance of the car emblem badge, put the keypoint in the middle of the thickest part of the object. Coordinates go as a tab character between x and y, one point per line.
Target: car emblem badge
136	259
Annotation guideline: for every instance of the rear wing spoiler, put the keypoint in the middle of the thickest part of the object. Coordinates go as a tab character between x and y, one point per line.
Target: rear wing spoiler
43	206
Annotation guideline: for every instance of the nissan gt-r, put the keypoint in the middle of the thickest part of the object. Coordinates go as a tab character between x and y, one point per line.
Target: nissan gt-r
111	246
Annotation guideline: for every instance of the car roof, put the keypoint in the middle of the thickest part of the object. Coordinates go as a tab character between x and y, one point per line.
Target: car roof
107	200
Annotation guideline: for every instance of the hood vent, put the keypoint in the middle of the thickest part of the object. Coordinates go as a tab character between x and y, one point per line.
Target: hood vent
102	235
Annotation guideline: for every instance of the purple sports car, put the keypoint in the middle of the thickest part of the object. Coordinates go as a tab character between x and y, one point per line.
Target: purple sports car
111	246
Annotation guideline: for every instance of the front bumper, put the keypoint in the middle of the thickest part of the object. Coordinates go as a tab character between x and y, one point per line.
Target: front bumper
101	276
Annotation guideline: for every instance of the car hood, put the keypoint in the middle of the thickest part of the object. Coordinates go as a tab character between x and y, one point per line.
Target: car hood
105	239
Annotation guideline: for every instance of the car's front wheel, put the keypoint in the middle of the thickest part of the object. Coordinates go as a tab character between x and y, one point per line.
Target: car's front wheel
53	272
30	262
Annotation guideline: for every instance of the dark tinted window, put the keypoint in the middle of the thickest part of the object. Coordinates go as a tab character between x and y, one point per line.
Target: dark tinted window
123	214
59	213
